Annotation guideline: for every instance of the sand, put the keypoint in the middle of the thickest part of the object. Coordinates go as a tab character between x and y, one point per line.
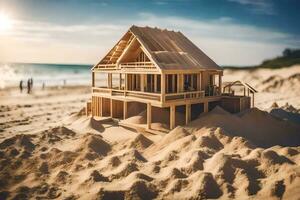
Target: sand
50	150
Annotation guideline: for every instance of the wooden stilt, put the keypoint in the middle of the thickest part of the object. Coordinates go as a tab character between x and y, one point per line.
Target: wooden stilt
101	108
187	113
125	111
172	117
149	116
111	108
205	107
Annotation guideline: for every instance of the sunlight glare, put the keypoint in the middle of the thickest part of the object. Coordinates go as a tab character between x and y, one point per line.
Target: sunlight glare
5	22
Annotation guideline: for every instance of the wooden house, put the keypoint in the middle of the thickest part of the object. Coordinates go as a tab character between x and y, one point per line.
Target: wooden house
151	68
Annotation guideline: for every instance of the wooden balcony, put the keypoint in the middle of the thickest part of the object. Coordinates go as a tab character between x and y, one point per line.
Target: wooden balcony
147	96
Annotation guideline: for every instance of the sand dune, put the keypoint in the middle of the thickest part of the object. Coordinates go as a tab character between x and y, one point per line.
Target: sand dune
209	158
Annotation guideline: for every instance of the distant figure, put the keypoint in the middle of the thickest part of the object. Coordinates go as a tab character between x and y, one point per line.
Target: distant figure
65	82
21	86
28	86
43	86
31	83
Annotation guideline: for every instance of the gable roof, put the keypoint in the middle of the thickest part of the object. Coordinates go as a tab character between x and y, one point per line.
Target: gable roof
171	50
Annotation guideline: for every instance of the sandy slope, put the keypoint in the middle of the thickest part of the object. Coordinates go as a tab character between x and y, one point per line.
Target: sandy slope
280	85
49	150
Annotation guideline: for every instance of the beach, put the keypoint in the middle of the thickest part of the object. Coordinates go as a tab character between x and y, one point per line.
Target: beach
50	149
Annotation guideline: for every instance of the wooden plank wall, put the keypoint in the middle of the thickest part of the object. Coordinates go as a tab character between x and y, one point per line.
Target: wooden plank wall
96	106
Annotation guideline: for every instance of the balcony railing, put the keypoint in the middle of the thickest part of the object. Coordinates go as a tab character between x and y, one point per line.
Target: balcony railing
148	95
184	95
137	65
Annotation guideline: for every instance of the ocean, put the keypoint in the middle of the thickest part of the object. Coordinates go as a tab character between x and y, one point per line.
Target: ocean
49	74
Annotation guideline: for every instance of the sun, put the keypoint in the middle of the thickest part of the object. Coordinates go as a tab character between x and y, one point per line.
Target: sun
5	22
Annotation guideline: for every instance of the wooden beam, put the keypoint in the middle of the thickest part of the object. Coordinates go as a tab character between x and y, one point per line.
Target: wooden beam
120	79
220	83
149	116
125	110
155	83
173	83
142	82
163	87
172	117
187	113
205	105
199	81
109	79
252	99
111	108
101	109
93	79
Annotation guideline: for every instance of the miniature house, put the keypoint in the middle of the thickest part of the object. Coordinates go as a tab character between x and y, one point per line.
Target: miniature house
151	68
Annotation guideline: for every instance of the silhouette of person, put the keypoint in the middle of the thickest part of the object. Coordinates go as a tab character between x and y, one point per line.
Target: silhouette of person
21	86
28	86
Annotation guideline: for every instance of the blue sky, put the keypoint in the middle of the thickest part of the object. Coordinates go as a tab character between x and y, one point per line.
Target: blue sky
232	32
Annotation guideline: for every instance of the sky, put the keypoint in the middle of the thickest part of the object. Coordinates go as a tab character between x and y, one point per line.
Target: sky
231	32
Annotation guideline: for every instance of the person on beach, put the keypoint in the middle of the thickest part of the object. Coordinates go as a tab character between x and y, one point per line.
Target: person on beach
21	86
31	83
43	86
28	86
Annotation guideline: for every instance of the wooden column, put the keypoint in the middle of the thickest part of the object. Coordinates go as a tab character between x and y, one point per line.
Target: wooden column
93	79
220	83
205	105
163	86
172	117
142	82
101	112
155	83
149	116
173	83
253	99
178	83
120	79
111	108
199	81
125	110
187	113
109	79
126	81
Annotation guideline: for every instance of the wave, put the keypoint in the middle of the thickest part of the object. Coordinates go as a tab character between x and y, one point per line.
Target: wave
49	74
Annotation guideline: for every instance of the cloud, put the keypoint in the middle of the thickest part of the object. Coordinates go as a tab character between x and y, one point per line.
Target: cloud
258	6
223	39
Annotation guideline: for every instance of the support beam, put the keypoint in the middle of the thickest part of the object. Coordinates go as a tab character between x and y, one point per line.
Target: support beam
125	110
149	116
120	83
253	99
126	82
187	113
142	82
109	79
155	83
93	79
199	81
163	86
173	83
101	110
111	108
220	83
172	117
205	107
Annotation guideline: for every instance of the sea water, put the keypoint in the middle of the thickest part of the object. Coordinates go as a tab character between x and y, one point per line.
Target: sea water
49	74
